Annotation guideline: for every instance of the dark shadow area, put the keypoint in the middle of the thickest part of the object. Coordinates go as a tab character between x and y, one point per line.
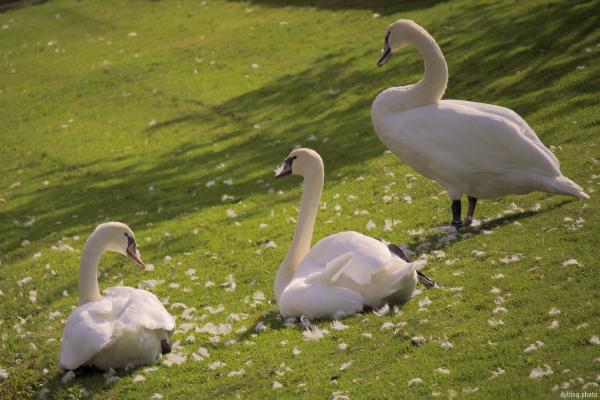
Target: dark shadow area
441	240
8	5
87	378
383	7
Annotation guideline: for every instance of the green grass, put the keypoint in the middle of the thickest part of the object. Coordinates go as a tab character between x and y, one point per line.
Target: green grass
77	147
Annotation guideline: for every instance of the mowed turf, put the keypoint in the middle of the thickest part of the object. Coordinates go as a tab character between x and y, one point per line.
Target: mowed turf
171	115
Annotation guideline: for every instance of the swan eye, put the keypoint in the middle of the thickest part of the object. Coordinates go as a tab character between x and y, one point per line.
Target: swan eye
130	241
290	160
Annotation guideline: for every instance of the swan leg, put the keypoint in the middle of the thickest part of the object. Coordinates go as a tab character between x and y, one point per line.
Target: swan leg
456	221
165	346
470	211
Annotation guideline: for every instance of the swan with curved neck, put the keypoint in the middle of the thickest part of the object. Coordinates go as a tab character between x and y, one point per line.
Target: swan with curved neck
127	327
478	149
342	272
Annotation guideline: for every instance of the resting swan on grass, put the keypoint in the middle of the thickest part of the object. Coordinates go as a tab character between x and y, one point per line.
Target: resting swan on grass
127	327
343	272
478	149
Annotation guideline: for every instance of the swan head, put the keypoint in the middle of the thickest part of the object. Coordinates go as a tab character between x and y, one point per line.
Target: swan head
396	37
302	161
119	238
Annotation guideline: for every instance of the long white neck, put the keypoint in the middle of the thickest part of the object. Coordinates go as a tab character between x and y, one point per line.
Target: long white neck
88	268
430	89
311	195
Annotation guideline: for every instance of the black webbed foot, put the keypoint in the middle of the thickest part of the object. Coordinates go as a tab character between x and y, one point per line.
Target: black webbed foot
165	346
425	281
399	251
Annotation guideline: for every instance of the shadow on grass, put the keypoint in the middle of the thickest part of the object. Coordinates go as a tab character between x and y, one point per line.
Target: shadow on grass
383	7
439	241
9	5
330	100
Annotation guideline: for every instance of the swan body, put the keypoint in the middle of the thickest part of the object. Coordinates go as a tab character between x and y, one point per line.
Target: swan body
125	328
482	150
343	272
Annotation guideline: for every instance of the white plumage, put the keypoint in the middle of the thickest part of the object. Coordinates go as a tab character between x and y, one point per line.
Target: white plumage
124	328
471	148
343	272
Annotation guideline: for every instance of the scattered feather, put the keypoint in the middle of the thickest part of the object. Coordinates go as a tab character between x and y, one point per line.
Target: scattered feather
338	325
345	365
277	385
540	372
446	345
217	364
236	372
415	381
497	372
554	311
174	359
314	333
534	346
569	262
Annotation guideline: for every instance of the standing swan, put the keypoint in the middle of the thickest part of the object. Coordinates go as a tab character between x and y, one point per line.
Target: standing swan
127	327
479	149
342	272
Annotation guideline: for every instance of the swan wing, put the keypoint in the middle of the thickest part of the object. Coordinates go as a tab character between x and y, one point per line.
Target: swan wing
458	141
349	254
87	331
92	326
137	307
509	114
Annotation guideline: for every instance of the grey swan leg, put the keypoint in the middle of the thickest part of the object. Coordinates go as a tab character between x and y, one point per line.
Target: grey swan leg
400	252
470	211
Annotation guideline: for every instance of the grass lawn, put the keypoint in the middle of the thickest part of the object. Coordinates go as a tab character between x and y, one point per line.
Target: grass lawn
171	115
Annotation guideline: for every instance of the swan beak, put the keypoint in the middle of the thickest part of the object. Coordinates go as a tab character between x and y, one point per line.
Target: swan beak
285	168
282	170
134	254
387	53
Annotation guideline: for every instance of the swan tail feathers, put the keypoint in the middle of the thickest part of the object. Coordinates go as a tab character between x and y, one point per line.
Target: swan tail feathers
563	185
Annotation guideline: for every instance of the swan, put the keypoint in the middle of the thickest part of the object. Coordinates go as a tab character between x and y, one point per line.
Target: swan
127	327
482	150
343	272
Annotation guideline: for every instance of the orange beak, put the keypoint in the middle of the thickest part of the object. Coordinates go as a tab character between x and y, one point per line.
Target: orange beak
134	254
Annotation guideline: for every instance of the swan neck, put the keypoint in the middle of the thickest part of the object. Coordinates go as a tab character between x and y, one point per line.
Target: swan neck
435	77
300	246
88	269
429	90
